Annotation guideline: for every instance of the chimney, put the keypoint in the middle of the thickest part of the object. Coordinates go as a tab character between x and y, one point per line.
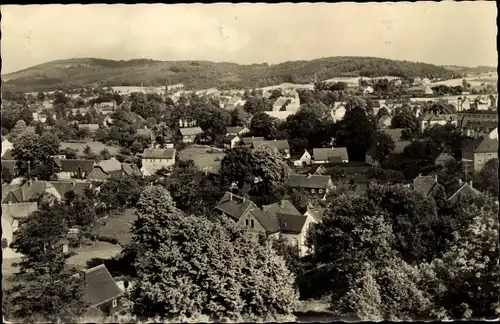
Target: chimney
470	184
460	181
282	203
309	175
244	198
231	195
436	177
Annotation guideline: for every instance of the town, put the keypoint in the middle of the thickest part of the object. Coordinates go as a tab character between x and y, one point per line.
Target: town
364	197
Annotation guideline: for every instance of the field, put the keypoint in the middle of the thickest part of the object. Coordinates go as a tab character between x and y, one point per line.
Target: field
118	227
96	147
202	159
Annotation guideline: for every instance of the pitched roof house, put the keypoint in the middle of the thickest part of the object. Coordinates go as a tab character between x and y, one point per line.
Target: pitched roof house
156	159
328	155
480	150
315	184
237	130
424	184
78	168
102	293
11	215
104	170
64	187
283	207
189	134
250	140
457	189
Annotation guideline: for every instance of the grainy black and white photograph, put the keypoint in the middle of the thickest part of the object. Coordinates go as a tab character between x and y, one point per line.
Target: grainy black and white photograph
228	163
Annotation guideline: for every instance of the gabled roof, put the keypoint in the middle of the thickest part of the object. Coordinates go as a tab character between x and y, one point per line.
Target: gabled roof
455	187
334	154
18	211
399	147
34	189
316	212
445	157
270	224
9	164
251	140
229	138
191	131
73	165
308	181
280	102
88	126
65	186
485	145
235	129
280	145
131	169
282	207
151	153
292	224
100	286
110	165
394	133
17	192
234	206
424	184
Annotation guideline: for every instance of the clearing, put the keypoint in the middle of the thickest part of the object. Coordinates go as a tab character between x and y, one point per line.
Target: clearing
118	227
203	160
96	147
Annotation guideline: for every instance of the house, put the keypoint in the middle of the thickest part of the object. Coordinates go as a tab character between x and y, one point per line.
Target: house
237	130
65	187
30	191
75	168
422	89
444	158
477	116
494	134
91	128
104	170
283	207
230	141
316	212
280	146
294	228
328	155
425	184
12	214
457	189
189	134
304	159
279	103
248	141
479	151
476	130
102	293
247	214
319	169
281	115
6	145
105	108
428	120
157	159
234	102
315	184
131	169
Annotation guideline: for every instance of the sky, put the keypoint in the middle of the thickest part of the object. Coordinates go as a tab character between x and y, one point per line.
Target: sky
444	33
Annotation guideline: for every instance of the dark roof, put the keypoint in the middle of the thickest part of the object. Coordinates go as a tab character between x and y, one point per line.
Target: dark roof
16	192
456	186
100	286
333	154
270	224
487	145
282	207
291	223
34	189
424	184
229	138
280	145
235	207
251	140
308	181
70	165
234	129
65	186
150	153
131	169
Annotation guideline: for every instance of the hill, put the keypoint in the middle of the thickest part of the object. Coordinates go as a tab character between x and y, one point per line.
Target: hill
471	70
204	74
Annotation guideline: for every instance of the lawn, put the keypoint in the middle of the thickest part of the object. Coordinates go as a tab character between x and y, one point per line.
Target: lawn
118	227
96	147
202	159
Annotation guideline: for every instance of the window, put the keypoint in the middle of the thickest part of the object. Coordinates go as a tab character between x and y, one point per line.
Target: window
320	190
313	190
489	156
246	222
251	223
114	303
479	162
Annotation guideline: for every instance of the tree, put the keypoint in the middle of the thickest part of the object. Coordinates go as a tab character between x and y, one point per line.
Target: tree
382	112
104	154
45	288
18	129
255	105
487	179
353	231
245	166
404	118
239	117
469	269
120	192
183	186
88	153
356	133
384	145
414	221
196	277
264	125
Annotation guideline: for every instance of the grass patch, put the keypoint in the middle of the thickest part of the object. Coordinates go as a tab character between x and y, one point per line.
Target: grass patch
202	159
96	147
117	227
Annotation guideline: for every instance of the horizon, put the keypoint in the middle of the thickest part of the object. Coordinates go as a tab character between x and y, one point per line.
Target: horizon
429	32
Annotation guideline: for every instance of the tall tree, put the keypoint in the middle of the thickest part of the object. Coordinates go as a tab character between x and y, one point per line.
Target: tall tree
45	288
264	125
356	133
404	118
184	271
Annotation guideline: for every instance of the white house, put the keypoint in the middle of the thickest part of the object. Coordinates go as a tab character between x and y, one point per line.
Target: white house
338	113
11	215
156	159
305	159
230	141
6	145
492	135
